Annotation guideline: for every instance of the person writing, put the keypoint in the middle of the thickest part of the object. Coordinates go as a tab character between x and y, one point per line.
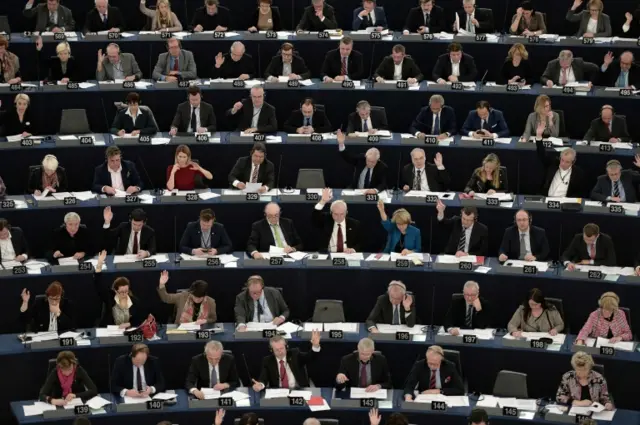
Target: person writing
491	178
134	120
535	315
436	375
260	304
48	176
184	174
402	236
583	386
608	321
211	17
67	381
591	247
192	306
13	244
19	120
52	313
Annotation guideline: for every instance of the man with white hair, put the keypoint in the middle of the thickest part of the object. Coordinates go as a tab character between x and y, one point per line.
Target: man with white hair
103	18
567	69
469	311
212	369
339	232
423	175
562	177
622	73
236	64
617	185
311	421
472	19
72	239
273	230
370	173
436	375
318	17
396	307
364	369
364	120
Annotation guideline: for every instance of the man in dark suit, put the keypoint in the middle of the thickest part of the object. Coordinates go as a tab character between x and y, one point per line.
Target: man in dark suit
468	236
176	65
116	174
211	17
343	63
205	237
589	247
212	369
369	16
396	307
133	237
273	230
13	244
454	66
523	241
236	64
468	310
473	20
421	175
567	69
365	120
50	16
194	115
318	17
339	232
308	119
259	303
398	66
137	374
617	185
608	127
287	64
436	119
623	73
485	122
426	18
435	376
562	177
370	172
364	369
255	168
286	367
257	116
103	18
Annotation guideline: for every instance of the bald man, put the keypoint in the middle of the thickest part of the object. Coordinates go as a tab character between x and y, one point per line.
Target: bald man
621	73
273	230
396	307
235	65
608	127
103	18
339	232
370	172
523	241
436	375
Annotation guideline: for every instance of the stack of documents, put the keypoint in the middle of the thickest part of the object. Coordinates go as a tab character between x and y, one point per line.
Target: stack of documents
276	393
97	402
485	334
224	258
540	265
136	400
67	261
608	270
362	393
189	326
451	401
604	342
494	84
391	329
109	331
165	396
37	408
452	259
558	339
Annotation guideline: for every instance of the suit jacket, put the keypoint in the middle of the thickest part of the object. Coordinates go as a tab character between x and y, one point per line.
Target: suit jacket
67	245
137	312
324	222
604	187
122	374
275	17
310	22
262	237
198	375
577	251
378	121
82	386
186	66
130	176
599	131
183	117
475	184
409	69
583	16
383	313
582	70
129	67
551	125
350	367
378	174
551	164
438	180
364	23
457	314
319	121
94	22
179	300
420	375
482	15
19	243
54	73
412	237
36	317
244	306
40	11
145	122
297	67
495	124
537	238
437	21
191	238
241	171
35	179
610	76
479	243
442	69
267	121
117	239
232	69
423	123
297	361
333	63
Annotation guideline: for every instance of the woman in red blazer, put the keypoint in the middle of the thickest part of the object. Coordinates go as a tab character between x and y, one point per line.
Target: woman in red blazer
608	321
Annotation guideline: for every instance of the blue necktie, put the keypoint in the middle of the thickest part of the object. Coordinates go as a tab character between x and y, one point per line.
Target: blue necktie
104	19
367	179
308	124
214	377
396	315
365	127
622	80
436	125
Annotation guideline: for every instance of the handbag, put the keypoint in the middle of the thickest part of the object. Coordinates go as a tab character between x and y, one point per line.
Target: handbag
149	327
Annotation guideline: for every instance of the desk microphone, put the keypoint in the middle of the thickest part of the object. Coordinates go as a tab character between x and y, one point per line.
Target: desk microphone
483	77
154	191
104	113
279	171
398	187
246	366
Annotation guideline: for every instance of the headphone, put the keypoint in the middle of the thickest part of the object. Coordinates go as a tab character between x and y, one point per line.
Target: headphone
611	108
397	283
254	278
441	101
608	295
469	211
286	345
528	215
478	415
140	213
308	99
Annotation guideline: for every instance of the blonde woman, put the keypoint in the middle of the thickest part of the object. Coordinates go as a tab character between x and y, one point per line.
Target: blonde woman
542	122
162	19
583	386
516	68
608	321
48	176
593	23
489	178
402	236
19	119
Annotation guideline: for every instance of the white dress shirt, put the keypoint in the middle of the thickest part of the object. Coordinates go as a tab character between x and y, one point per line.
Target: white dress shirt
467	237
592	26
116	179
130	244
6	249
197	118
455	69
560	183
256	116
53	323
397	71
571	77
133	117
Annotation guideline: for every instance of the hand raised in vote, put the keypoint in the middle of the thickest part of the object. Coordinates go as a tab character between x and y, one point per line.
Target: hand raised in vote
637	271
629	17
407	302
327	195
25	295
341	378
164	278
438	160
101	56
440	207
380	205
576	3
107	214
374	417
30	2
315	338
341	137
608	59
502	258
636	160
101	257
198	28
219	60
236	107
219	417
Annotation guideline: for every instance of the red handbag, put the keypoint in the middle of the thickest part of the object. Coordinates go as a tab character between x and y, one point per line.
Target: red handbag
149	327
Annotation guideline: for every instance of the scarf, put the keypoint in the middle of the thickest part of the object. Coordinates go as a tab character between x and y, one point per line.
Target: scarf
187	311
66	382
49	181
6	63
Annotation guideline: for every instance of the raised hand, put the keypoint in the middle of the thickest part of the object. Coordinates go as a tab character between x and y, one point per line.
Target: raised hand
219	60
438	160
25	295
107	214
164	278
440	206
327	195
101	57
608	58
341	137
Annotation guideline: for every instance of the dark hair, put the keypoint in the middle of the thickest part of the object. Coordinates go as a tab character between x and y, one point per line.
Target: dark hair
454	47
591	229
199	288
4	42
249	419
307	101
138	215
113	151
4	224
211	2
397	419
536	296
483	104
526	5
133	98
81	421
255	279
258	147
286	47
164	423
346	40
470	210
478	415
265	1
139	348
207	214
194	90
398	48
119	283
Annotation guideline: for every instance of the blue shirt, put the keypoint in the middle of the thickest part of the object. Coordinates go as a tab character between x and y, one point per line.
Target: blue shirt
266	316
172	61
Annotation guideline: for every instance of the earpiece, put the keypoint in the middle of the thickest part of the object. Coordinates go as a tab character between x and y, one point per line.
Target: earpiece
608	295
611	108
308	101
529	215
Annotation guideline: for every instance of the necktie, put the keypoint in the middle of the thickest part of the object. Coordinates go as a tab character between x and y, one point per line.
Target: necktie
194	120
616	189
622	79
259	310
104	19
432	380
417	181
563	78
135	248
523	246
367	179
308	124
276	231
254	175
139	379
396	315
482	122
592	248
369	20
363	375
343	67
52	18
468	318
284	379
365	127
463	240
340	240
214	378
610	127
470	27
176	64
436	125
427	18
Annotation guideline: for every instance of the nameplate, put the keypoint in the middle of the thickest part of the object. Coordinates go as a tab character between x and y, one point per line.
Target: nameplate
72	85
375	35
15	87
371	197
83	409
203	334
348	84
430	140
373	138
59	36
547	143
191	197
312	197
488	142
131	199
271	34
616	209
293	84
403	336
225	402
135	337
607	351
605	147
67	342
568	90
323	35
259	137
537	344
316	138
594	274
213	262
402	85
128	85
368	402
457	86
113	36
510	411
339	261
252	197
402	263
276	261
183	84
144	139
638	41
493	202
269	333
465	265
336	334
29	34
25	143
431	199
470	339
165	35
18	270
70	200
238	84
86	140
296	401
218	34
7	204
481	37
149	263
513	88
427	37
553	205
85	266
588	40
154	404
529	269
625	92
534	39
582	418
439	406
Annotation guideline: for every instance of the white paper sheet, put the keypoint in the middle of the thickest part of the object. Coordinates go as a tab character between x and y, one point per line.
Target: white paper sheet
356	256
391	329
621	345
501	196
289	327
362	393
136	400
540	265
207	195
452	259
341	326
606	415
165	396
237	395
311	326
276	393
298	255
487	401
191	326
71	404
301	393
67	261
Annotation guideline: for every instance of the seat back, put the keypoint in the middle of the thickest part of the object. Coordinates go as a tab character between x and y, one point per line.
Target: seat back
310	178
598	368
457	296
511	384
454	357
380	110
74	121
328	311
562	131
4	24
627	313
559	305
489	12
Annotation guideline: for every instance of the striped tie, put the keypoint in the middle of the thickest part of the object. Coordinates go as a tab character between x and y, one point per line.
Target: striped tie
463	240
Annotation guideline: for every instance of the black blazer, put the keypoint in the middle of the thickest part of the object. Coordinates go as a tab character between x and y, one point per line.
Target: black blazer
183	117
144	122
358	161
537	238
482	15
275	17
94	23
13	126
267	122
350	367
37	315
630	181
297	67
310	22
438	180
423	122
475	184
198	375
609	77
383	313
243	309
479	243
122	374
457	313
551	163
82	386
262	237
378	121
319	121
130	176
191	238
437	20
116	239
68	246
324	221
599	131
420	375
137	312
54	73
241	171
232	69
19	243
442	69
297	361
577	251
409	69
509	71
332	65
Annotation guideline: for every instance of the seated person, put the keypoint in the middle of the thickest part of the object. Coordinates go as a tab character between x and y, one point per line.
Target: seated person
471	311
490	178
192	306
583	386
103	18
370	172
3	188
255	168
265	18
72	239
562	177
134	120
343	63
62	67
185	174
20	119
50	16
211	17
567	69
205	237
630	28
396	307
524	241
527	21
13	244
66	381
535	315
436	375
402	236
259	303
485	122
454	66
48	177
542	122
589	248
516	68
339	232
273	230
137	374
194	115
593	23
257	116
52	313
472	19
116	65
213	369
175	65
609	127
308	119
116	174
369	16
236	64
424	176
320	16
398	66
287	64
608	321
617	185
162	18
623	73
468	237
364	121
426	18
364	369
437	119
133	237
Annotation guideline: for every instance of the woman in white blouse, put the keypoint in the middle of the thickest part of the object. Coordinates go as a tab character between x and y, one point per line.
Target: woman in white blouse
593	23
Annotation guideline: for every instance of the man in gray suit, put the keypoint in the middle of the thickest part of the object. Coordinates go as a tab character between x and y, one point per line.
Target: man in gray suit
51	16
117	66
567	69
257	303
177	64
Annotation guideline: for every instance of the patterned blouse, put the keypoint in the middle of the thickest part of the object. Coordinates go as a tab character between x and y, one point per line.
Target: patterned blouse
570	388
